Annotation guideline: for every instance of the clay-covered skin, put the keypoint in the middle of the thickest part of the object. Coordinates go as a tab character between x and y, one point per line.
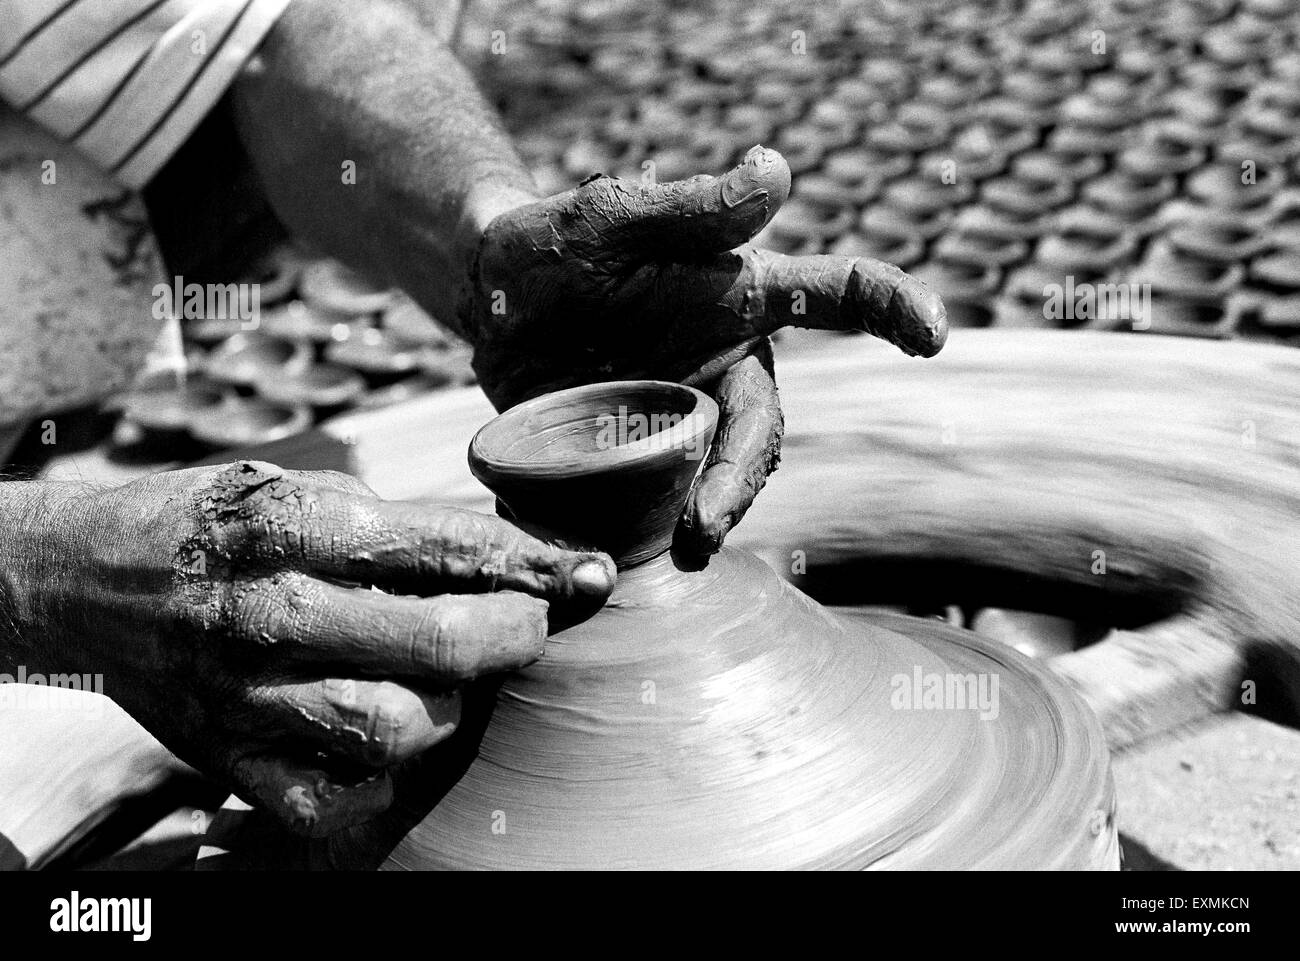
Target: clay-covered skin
286	632
618	280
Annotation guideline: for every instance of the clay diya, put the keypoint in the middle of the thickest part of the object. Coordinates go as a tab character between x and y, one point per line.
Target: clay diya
246	422
251	359
330	286
710	715
376	353
322	386
169	410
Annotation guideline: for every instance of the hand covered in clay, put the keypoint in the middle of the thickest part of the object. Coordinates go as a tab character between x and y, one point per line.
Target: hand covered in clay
616	280
231	608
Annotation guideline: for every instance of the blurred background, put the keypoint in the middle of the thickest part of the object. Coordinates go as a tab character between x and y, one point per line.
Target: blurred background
991	147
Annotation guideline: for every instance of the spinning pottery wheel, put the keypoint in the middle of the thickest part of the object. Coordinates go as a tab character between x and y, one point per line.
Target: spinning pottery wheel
716	717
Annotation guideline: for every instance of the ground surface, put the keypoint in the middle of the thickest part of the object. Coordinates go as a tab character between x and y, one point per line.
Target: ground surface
1224	795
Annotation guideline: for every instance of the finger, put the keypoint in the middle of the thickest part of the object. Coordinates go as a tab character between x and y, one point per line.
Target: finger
337	480
745	451
447	639
842	293
421	549
374	723
307	798
325	524
684	218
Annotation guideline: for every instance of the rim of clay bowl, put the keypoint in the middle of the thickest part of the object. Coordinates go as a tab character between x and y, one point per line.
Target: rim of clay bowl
222	426
491	451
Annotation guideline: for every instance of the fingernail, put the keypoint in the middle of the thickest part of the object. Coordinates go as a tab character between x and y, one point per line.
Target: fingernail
595	577
920	318
712	523
749	179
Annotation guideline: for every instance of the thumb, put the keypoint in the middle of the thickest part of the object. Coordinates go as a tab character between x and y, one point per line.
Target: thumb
696	217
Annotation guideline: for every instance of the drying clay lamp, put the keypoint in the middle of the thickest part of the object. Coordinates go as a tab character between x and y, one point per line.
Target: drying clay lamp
713	716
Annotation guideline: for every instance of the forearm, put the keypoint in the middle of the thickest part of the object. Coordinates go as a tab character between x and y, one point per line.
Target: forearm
343	85
34	563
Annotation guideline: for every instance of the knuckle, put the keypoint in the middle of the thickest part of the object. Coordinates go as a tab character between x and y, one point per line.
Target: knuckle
285	610
434	640
339	481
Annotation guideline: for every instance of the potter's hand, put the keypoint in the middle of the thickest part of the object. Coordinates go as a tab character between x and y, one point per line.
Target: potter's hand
616	280
230	609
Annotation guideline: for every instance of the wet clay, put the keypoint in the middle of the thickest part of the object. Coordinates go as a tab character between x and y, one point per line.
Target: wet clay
716	717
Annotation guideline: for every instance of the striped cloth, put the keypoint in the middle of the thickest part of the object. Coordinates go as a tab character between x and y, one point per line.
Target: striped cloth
126	81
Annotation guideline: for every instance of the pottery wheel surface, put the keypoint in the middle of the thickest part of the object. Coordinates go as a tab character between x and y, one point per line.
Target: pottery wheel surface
707	744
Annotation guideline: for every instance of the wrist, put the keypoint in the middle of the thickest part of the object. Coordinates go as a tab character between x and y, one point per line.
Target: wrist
37	561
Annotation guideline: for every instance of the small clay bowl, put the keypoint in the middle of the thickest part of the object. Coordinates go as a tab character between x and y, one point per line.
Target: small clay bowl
1129	195
748	122
170	410
277	273
329	285
1026	289
1195	107
968	161
1233	47
921	197
609	464
1008	224
321	386
375	353
969	313
915	130
865	171
855	92
889	78
212	331
800	226
778	101
960	280
1170	271
408	323
400	391
297	321
1260	147
1011	126
1034	87
840	124
249	359
1223	239
948	92
960	245
826	193
1281	270
1166	150
888	220
1023	195
1147	60
449	368
1081	139
804	146
1189	318
901	251
661	123
1051	165
239	422
1080	244
586	157
1280	313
